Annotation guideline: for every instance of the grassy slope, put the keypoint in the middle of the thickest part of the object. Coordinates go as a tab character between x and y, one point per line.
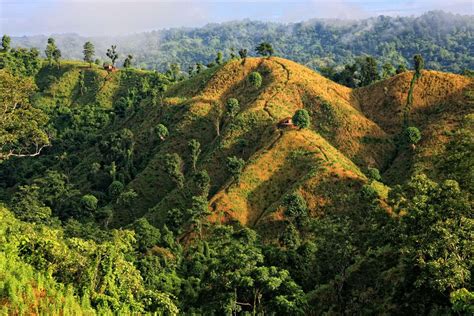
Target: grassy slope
441	100
351	129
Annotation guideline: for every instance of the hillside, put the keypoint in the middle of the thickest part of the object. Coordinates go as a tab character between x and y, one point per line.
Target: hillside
122	212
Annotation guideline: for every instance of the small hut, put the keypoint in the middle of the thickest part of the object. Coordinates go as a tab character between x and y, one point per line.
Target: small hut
110	68
286	122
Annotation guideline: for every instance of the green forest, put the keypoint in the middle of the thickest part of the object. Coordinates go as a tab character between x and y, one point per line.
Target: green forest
444	39
246	185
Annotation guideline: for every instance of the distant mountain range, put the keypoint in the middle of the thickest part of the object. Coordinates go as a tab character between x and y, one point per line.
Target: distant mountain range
445	40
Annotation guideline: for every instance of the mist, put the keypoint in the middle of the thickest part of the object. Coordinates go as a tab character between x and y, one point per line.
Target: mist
108	17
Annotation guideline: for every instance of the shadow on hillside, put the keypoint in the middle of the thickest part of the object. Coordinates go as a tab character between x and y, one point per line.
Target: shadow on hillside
266	197
50	75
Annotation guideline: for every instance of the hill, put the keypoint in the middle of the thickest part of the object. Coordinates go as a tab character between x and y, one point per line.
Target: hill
191	194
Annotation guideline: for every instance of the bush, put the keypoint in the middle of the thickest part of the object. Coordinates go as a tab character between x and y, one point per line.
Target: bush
374	174
302	119
255	79
89	202
161	131
232	107
235	166
115	189
412	135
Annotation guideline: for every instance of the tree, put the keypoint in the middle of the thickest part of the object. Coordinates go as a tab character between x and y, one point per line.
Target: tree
296	209
28	206
369	71
174	72
89	51
401	69
57	56
232	107
373	174
6	41
50	49
388	70
128	61
112	54
89	203
255	79
419	64
264	49
219	58
161	131
302	119
412	135
195	149
22	126
173	165
243	53
235	166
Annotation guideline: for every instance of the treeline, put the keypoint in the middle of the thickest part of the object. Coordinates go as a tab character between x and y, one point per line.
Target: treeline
443	39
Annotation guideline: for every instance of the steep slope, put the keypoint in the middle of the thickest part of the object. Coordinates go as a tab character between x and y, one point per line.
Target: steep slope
338	125
440	102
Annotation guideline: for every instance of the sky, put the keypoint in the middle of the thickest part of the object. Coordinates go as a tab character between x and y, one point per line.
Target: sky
115	17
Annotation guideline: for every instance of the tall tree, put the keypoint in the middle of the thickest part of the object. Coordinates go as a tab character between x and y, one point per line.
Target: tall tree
89	51
112	54
369	71
22	127
419	64
57	56
6	40
50	49
128	61
265	49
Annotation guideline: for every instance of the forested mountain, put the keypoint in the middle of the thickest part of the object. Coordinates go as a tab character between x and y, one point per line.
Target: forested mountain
253	186
445	40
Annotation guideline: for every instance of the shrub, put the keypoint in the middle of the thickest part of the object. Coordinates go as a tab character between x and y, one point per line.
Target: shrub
301	119
235	166
232	107
255	79
412	135
373	174
161	131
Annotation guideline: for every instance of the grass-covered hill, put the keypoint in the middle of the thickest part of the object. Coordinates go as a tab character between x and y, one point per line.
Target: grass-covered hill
190	194
351	130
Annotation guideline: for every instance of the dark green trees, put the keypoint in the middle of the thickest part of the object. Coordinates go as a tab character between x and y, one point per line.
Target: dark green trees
264	49
302	119
112	54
